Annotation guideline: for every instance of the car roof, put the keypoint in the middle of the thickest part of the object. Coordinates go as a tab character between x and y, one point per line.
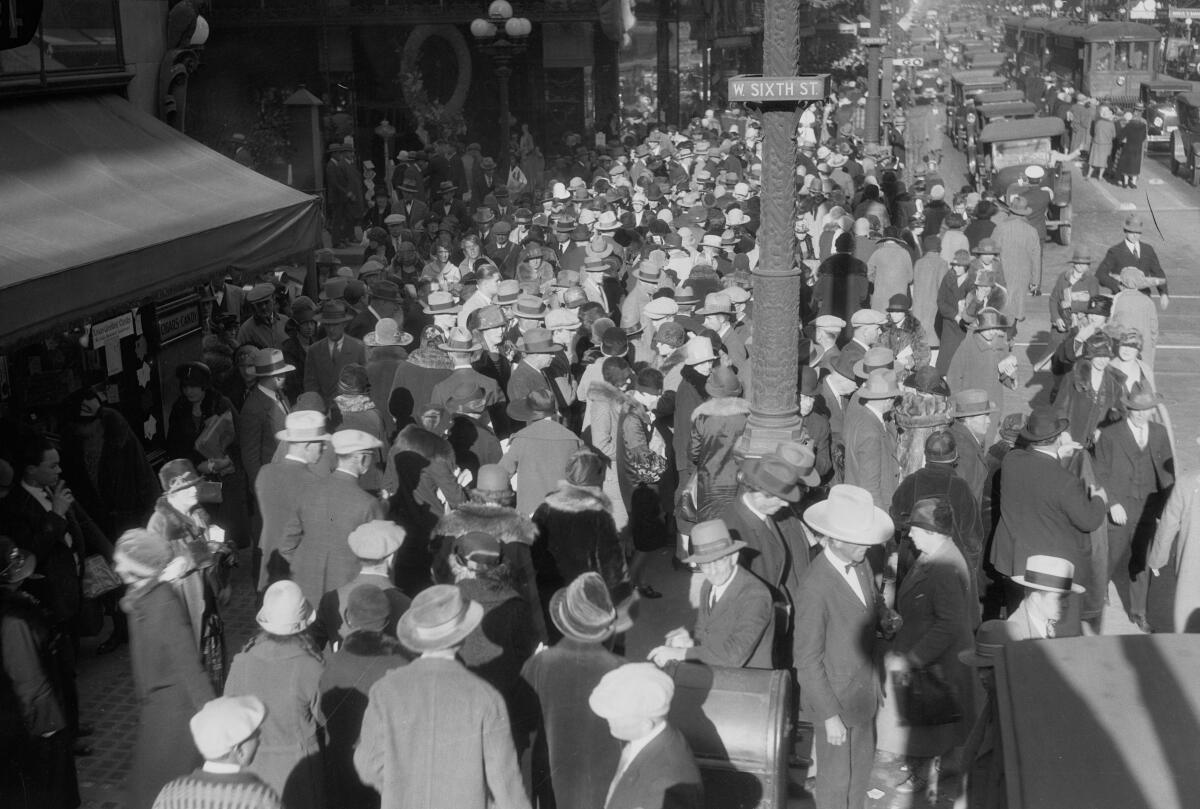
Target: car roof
1008	109
1020	130
976	77
1168	84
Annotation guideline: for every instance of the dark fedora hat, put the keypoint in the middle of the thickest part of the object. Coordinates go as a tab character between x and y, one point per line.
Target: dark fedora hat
1043	424
990	319
583	610
538	404
973	402
333	313
537	341
772	475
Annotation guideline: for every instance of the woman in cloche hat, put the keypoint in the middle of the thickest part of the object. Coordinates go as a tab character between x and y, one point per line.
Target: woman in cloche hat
282	667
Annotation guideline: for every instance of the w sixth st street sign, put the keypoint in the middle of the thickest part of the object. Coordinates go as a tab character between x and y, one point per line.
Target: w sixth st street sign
778	88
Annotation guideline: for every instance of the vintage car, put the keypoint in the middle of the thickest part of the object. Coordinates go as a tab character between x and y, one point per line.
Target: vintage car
966	118
928	85
1004	149
964	86
985	61
1162	118
1185	140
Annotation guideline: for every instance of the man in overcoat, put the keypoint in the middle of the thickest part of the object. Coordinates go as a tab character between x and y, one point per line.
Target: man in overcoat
325	359
871	441
836	620
735	627
1020	255
314	538
264	412
1132	252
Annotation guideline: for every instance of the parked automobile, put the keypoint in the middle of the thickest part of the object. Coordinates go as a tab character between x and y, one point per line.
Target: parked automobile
1161	116
1004	149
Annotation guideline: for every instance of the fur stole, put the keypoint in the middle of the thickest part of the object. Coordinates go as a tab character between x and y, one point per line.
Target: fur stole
722	407
506	524
576	499
601	392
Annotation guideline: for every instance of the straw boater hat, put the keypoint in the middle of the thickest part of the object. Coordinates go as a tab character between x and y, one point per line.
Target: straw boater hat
1049	573
850	515
461	341
710	540
439	618
285	610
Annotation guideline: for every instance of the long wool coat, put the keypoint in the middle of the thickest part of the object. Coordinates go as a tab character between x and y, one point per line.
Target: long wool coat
1021	254
315	537
716	427
1180	523
450	745
171	686
576	533
574	755
286	677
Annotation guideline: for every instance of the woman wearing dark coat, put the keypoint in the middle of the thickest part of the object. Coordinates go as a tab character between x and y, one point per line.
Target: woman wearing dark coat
1091	396
842	286
1133	146
951	330
641	464
420	464
170	683
716	426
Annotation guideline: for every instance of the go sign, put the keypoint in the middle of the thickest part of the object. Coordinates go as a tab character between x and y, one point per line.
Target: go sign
910	61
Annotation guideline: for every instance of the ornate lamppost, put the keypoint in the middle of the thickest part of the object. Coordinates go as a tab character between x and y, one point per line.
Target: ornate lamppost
503	37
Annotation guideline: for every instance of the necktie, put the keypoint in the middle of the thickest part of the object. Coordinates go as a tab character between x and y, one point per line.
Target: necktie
282	402
333	349
1050	630
849	567
1137	252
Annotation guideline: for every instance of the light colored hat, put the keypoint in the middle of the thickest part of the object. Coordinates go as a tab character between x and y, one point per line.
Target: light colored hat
440	303
973	402
348	442
1035	172
660	308
583	610
697	350
868	317
562	318
737	294
439	618
285	610
387	333
143	552
224	723
716	303
830	323
461	341
376	539
711	540
1049	573
301	426
270	362
633	690
850	515
394	219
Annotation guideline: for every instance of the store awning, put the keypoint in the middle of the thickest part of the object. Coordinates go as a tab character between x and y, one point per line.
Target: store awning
101	203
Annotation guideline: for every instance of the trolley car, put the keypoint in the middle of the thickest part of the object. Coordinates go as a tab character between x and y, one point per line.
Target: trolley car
1105	60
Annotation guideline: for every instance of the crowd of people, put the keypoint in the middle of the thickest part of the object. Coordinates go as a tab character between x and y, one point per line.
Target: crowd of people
448	475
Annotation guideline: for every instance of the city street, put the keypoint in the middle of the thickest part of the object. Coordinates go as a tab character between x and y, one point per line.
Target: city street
1171	209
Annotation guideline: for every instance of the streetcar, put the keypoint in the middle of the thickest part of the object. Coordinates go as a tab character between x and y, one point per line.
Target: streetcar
1107	61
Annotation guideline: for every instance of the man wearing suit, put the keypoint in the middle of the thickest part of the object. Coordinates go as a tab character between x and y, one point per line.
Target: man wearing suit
814	425
384	302
325	359
871	442
656	768
1048	583
448	205
314	539
277	488
264	413
834	652
824	349
415	211
1046	510
972	422
867	325
462	346
717	312
1135	467
501	250
1130	252
735	624
834	392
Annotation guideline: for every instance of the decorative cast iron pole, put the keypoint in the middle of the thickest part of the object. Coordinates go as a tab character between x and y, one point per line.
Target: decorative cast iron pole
773	354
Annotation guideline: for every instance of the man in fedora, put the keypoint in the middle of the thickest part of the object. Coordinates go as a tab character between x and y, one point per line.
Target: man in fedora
325	359
648	276
330	508
415	210
834	392
470	433
1132	252
448	204
538	352
974	413
540	451
983	752
717	312
1135	466
264	411
502	250
872	462
1045	610
374	544
278	487
735	626
463	346
985	360
435	734
1020	247
1045	509
656	767
574	755
837	615
383	301
814	421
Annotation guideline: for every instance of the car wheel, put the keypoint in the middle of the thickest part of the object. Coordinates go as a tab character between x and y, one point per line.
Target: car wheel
1064	235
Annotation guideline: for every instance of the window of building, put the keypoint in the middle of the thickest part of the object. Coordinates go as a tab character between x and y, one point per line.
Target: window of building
76	36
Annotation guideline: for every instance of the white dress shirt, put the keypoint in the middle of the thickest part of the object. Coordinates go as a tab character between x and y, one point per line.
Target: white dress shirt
848	572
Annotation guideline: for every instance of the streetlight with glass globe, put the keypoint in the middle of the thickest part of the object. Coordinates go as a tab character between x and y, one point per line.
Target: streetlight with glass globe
503	37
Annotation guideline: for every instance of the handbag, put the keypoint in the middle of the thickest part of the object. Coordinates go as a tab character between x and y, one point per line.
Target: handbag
216	437
923	697
98	577
686	507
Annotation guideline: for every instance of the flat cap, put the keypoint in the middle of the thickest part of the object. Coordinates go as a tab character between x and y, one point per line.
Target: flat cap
377	539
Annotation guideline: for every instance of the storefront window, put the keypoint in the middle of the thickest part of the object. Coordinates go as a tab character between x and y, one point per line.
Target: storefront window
75	36
662	74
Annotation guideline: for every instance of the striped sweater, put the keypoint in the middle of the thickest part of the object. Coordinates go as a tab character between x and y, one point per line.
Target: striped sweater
206	790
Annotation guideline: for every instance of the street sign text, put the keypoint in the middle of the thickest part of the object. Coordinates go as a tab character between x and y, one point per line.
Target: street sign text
778	88
909	61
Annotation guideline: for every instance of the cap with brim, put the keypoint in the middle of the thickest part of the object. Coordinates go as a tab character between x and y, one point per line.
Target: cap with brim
772	475
710	540
868	317
850	515
270	362
440	617
974	402
440	303
1049	573
285	610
